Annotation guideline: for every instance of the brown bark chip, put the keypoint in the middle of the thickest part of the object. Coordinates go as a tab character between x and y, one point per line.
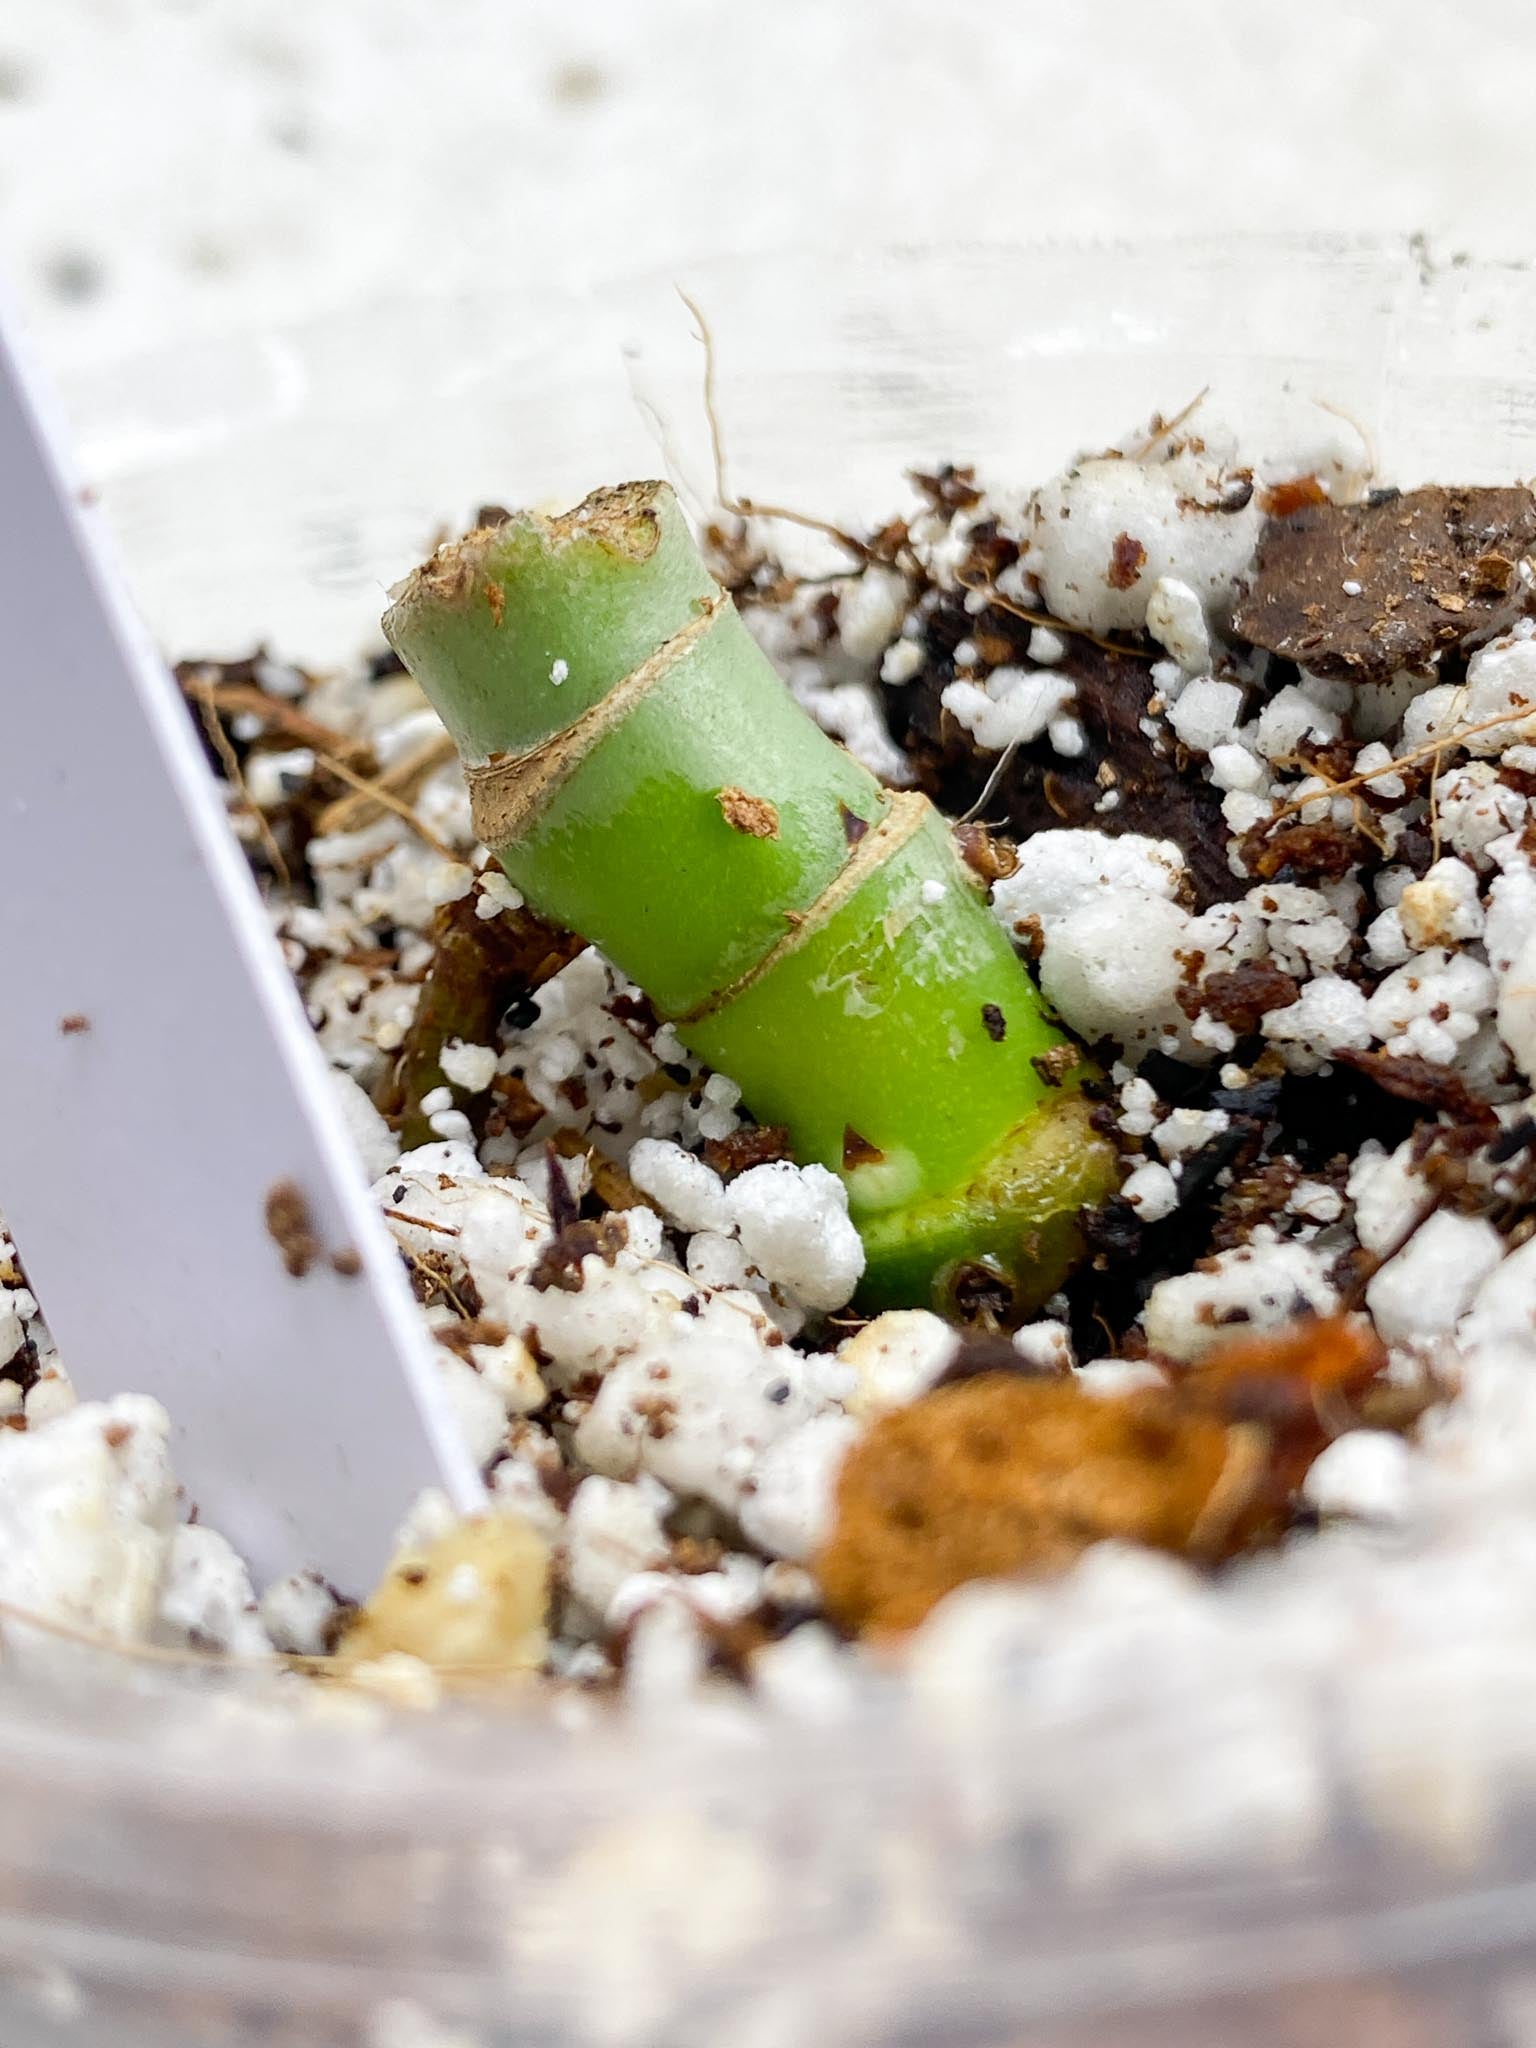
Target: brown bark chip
1241	996
1433	567
1433	1087
950	489
754	815
461	1337
1280	500
1325	851
559	1264
985	854
1001	1475
480	967
740	1150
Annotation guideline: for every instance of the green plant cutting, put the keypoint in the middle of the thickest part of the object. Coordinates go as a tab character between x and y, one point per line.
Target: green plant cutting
647	781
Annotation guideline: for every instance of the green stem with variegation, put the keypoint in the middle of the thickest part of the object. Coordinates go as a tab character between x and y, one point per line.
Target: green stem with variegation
647	781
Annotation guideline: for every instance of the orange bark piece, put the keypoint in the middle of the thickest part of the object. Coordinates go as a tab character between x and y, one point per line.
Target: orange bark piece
1001	1475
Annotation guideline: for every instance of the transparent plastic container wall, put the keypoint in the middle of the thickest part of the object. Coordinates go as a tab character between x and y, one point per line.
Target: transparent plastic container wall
189	1860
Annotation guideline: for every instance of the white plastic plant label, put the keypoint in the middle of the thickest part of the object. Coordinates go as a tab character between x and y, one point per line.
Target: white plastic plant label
170	1154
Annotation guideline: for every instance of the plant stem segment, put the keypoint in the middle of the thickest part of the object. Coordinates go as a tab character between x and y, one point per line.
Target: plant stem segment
646	780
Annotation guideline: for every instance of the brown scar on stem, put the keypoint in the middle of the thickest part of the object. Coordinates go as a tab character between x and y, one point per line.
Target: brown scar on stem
907	813
74	1023
743	812
858	1151
496	600
854	827
508	793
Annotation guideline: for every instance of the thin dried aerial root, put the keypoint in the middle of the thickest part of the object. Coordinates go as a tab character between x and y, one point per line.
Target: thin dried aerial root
399	783
747	508
201	682
371	796
1048	620
1003	1475
1429	750
234	775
